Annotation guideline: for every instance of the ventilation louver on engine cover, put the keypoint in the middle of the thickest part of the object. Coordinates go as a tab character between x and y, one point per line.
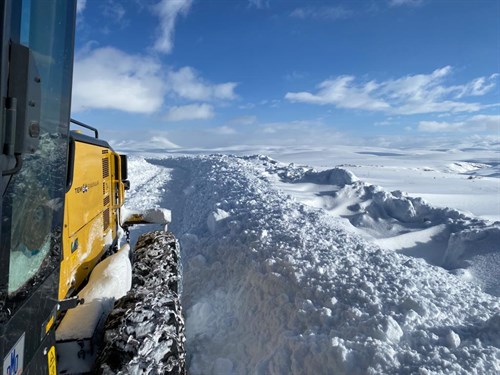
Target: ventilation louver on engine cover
105	167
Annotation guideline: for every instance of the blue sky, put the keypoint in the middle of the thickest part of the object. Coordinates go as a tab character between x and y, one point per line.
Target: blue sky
214	73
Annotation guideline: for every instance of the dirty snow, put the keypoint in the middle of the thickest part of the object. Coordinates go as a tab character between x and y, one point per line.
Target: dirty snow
292	270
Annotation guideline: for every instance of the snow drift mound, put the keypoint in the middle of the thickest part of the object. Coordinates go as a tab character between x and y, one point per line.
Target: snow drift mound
274	286
466	167
395	221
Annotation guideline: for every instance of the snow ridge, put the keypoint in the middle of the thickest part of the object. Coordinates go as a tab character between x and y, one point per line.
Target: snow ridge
272	285
395	221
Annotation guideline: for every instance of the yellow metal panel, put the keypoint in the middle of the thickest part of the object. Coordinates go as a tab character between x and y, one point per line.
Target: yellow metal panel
88	228
51	361
91	213
84	200
50	323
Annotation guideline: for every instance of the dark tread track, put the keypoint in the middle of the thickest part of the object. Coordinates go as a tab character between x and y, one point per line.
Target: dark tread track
145	331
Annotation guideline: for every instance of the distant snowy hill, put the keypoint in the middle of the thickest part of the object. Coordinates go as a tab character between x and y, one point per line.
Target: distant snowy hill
295	270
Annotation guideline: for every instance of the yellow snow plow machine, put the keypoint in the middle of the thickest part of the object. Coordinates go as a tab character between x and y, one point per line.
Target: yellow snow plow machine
63	263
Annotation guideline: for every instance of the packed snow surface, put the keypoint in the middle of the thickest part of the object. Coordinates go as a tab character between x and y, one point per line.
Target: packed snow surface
293	270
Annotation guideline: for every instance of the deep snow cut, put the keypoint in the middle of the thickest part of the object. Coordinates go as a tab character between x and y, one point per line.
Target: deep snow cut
341	283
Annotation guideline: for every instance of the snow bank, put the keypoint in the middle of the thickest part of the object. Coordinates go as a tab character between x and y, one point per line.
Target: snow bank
474	252
110	280
395	221
464	178
466	167
147	184
274	286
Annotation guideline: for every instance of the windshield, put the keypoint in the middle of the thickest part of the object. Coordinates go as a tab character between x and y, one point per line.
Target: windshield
34	200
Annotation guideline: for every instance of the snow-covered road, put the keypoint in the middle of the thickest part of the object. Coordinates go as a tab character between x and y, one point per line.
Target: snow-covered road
274	285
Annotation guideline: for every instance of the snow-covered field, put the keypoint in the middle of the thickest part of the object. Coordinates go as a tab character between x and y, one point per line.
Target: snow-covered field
334	270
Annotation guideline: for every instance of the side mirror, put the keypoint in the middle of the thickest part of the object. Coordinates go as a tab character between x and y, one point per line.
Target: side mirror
124	169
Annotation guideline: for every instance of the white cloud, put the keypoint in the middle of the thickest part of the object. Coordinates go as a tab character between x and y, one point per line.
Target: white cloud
474	123
383	123
168	11
107	78
294	76
259	4
80	6
408	95
322	13
114	10
437	126
143	141
343	93
477	87
162	141
190	112
485	122
395	3
188	85
272	103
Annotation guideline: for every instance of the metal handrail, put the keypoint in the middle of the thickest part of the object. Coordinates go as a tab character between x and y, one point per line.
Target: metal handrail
76	122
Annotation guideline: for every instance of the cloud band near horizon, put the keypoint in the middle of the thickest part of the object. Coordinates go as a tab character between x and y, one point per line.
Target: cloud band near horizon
407	95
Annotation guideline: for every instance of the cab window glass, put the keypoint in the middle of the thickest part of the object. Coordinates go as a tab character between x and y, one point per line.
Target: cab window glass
35	195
